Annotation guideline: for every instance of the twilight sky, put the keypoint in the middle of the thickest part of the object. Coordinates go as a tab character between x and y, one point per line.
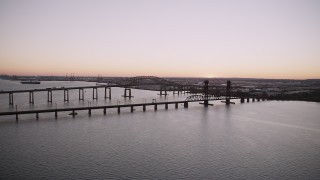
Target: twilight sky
193	38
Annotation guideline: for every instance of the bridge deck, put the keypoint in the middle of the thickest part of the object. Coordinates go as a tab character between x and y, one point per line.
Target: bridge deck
57	89
102	107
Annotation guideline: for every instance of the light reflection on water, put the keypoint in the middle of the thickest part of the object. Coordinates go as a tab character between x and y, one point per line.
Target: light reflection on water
260	140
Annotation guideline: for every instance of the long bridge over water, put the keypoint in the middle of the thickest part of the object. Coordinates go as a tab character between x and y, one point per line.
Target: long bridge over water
125	83
118	107
205	97
129	83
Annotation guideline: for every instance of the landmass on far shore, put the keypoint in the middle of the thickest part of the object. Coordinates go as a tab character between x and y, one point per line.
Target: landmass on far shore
273	89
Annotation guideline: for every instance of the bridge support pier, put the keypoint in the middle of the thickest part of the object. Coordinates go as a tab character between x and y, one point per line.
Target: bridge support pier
176	105
174	92
248	99
125	93
186	104
31	97
37	116
206	103
73	113
49	96
258	99
227	101
132	109
155	107
89	112
166	106
178	90
253	99
81	95
56	114
105	92
65	95
206	93
118	110
242	100
144	107
10	98
188	90
104	111
17	118
228	94
161	92
94	93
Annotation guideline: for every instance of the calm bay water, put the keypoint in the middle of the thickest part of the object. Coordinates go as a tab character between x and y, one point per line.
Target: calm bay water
260	140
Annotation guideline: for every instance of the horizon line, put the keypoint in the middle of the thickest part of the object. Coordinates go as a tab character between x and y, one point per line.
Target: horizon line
203	77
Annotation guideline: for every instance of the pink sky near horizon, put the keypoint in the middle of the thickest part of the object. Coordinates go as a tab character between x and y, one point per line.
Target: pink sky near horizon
204	38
